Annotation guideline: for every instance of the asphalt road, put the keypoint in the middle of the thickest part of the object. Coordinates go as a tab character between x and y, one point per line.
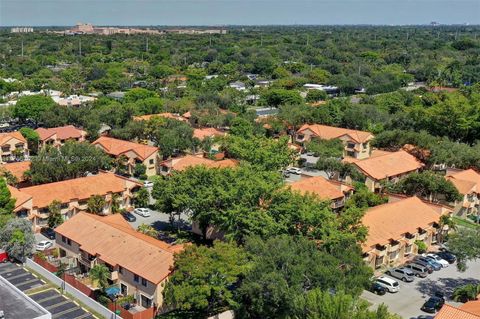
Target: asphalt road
408	301
159	221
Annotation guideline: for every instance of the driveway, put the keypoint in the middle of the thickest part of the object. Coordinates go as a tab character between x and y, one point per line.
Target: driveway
159	221
408	301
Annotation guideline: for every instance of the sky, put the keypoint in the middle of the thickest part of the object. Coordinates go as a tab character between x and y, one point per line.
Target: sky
237	12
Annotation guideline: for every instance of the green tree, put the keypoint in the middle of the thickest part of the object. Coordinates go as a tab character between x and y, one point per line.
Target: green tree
32	107
96	204
465	245
32	138
316	95
147	230
466	293
204	278
7	203
326	148
100	275
142	197
137	94
17	238
54	214
139	171
277	97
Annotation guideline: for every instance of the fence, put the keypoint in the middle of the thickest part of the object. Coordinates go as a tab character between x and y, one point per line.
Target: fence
90	303
148	313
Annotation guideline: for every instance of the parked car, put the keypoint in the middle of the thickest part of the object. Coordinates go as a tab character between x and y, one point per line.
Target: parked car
402	273
438	259
43	245
3	256
388	283
48	232
294	170
148	184
423	264
433	304
129	217
418	270
435	265
378	289
448	256
144	212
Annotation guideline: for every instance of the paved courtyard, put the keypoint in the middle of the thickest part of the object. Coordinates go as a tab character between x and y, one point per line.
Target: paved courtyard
408	301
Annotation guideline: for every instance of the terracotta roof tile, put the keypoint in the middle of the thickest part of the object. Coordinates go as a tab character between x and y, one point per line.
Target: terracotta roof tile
63	132
202	133
472	307
320	186
20	197
115	242
389	164
392	220
17	169
5	137
330	132
164	115
182	163
450	312
466	181
118	147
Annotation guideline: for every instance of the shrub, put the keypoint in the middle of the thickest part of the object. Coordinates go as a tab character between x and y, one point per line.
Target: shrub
422	247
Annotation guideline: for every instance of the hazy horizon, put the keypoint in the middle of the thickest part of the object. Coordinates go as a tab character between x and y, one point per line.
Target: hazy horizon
237	12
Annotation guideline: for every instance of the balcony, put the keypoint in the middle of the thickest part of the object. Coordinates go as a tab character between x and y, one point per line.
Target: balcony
422	234
114	275
88	260
380	250
394	245
409	238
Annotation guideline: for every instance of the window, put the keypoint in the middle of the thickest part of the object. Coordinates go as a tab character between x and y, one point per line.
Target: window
151	161
350	145
64	239
120	269
64	205
136	278
144	282
69	242
408	249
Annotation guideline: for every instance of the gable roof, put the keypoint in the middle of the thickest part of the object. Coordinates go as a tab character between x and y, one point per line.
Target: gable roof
392	220
389	164
450	312
320	186
115	242
331	132
78	188
466	181
62	132
17	169
118	147
164	115
5	137
472	306
20	197
182	163
202	133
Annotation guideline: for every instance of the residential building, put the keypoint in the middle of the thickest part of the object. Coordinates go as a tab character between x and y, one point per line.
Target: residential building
21	30
12	146
139	264
134	153
469	310
266	112
467	183
325	189
239	86
16	169
182	163
32	202
203	133
57	136
394	227
166	115
357	143
389	166
74	100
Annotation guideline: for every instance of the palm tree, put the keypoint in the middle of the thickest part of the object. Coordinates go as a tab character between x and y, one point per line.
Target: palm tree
147	230
100	274
446	223
466	293
115	203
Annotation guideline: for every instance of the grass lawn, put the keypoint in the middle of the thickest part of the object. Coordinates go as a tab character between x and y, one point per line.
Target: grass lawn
465	223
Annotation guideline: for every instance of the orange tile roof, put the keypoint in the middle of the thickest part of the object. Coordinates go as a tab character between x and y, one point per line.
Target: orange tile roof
115	242
466	181
389	164
182	163
78	188
5	137
17	169
118	147
202	133
63	132
392	220
20	197
330	132
164	115
320	186
450	312
374	153
472	307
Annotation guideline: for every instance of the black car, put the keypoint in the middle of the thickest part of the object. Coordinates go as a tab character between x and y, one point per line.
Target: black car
378	289
48	232
433	304
447	256
129	217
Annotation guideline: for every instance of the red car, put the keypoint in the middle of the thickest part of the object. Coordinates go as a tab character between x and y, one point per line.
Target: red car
3	256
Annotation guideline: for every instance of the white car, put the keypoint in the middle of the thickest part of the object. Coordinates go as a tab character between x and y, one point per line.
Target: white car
439	260
144	212
294	170
147	184
388	283
43	245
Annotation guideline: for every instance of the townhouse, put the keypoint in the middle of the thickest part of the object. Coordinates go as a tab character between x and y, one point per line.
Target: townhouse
12	146
467	182
73	194
208	132
468	310
182	163
57	136
357	143
394	227
387	167
325	189
133	153
139	264
17	170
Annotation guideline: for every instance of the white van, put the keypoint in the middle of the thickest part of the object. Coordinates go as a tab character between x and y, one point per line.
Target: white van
388	283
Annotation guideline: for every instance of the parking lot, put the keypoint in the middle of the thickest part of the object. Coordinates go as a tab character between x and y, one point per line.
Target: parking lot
408	301
50	299
158	220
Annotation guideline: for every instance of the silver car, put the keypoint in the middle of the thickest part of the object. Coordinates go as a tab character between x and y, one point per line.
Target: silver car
402	273
418	270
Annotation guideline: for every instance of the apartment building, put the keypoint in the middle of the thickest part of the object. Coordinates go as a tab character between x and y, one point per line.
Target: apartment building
394	227
182	163
467	183
73	194
134	153
57	136
357	143
12	146
139	264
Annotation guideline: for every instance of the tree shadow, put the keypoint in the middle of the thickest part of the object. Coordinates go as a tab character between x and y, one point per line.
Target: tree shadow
429	287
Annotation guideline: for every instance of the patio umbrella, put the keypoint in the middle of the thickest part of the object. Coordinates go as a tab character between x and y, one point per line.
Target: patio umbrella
112	291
